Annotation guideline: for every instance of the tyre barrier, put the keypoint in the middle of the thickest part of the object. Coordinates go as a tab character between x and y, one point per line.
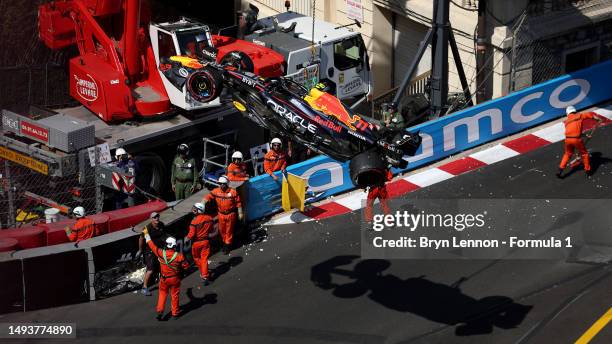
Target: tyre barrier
27	237
8	244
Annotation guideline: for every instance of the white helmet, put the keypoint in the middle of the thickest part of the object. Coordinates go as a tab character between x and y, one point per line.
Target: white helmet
570	109
119	152
79	212
170	242
237	155
276	140
199	207
223	180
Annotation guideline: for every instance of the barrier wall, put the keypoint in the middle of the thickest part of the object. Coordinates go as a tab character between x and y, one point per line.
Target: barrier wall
68	273
454	133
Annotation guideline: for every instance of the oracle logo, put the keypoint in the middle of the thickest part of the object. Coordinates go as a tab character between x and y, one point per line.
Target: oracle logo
86	88
34	131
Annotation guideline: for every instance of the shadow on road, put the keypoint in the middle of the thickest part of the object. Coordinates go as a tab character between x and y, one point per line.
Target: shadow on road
434	301
197	302
224	267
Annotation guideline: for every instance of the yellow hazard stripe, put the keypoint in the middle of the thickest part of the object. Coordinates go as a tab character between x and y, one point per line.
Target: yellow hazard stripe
26	161
595	328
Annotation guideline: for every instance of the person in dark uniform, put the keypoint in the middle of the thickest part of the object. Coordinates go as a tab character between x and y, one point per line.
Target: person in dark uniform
157	232
128	165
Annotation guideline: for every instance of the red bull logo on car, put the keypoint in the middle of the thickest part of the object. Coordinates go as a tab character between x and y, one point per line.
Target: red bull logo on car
331	106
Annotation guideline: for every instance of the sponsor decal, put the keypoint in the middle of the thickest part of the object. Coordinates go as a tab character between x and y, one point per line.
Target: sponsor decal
183	72
281	111
34	131
359	136
351	86
23	160
248	81
210	54
328	124
12	124
114	82
86	88
332	106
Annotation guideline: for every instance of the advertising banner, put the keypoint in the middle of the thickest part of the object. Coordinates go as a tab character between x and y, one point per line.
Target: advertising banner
452	134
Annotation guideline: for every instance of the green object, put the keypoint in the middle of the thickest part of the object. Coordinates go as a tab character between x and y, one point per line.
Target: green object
183	176
183	190
395	120
167	262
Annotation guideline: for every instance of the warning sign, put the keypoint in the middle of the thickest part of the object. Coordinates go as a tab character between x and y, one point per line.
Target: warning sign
23	160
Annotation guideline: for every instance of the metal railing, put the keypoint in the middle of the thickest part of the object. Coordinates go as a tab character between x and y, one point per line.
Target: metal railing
417	85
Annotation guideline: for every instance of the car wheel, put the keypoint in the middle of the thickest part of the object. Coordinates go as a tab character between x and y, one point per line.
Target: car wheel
204	85
367	169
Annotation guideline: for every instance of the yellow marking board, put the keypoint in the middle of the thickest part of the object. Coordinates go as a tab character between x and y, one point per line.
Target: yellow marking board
23	160
293	192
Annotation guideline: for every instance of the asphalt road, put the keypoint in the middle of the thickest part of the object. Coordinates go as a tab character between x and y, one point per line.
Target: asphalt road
304	283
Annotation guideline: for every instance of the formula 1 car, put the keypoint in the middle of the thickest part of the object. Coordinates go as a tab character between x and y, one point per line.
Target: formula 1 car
314	118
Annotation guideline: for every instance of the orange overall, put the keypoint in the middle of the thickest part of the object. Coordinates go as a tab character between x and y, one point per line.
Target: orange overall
199	229
380	192
237	172
83	229
228	203
274	161
573	140
171	263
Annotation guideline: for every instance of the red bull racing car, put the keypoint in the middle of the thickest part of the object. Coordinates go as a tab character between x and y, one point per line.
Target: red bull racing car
313	118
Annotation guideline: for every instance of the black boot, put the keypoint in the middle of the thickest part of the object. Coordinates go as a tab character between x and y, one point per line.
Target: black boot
159	316
559	172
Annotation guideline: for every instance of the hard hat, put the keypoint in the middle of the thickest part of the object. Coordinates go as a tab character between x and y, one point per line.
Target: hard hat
119	152
199	207
170	242
570	109
223	180
79	211
182	148
276	140
392	105
237	155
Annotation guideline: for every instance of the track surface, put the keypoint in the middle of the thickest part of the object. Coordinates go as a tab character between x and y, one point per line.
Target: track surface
278	290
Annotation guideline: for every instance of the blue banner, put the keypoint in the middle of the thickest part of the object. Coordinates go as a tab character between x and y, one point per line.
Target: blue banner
452	134
322	173
508	115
